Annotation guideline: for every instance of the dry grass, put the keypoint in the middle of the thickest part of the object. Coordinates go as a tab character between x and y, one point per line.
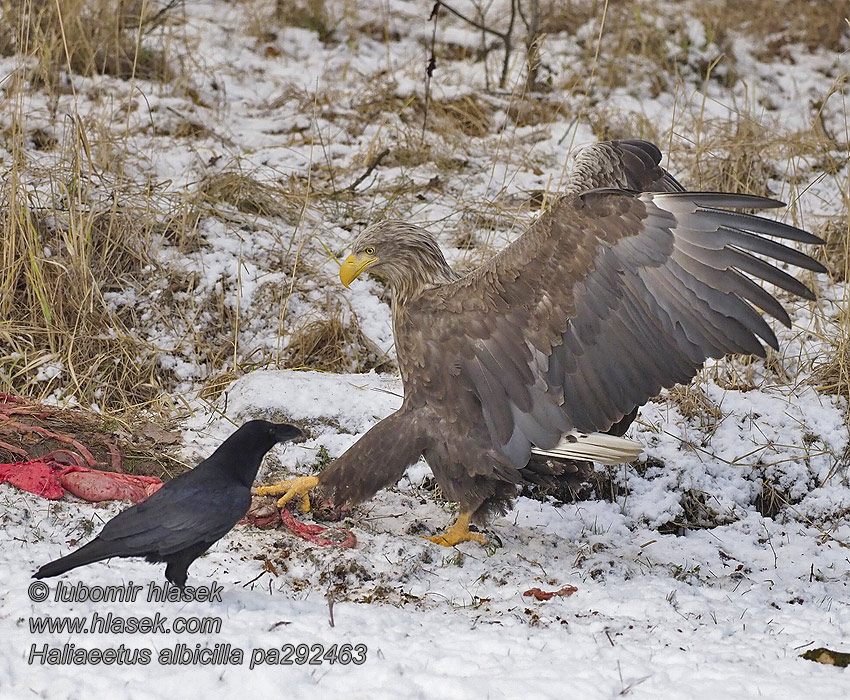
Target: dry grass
246	194
832	376
816	24
735	157
331	345
693	403
835	253
697	514
457	118
309	14
609	126
331	340
321	345
58	330
531	112
58	312
83	299
567	15
265	18
86	37
75	236
831	370
642	46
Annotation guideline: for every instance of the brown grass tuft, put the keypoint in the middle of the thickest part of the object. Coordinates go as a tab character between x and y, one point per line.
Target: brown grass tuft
608	126
697	514
330	345
248	195
308	14
775	25
835	253
565	15
831	370
86	36
322	345
531	112
58	330
460	117
693	403
735	157
832	375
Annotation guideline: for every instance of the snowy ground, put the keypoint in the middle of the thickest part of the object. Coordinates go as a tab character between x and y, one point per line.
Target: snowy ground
719	612
684	588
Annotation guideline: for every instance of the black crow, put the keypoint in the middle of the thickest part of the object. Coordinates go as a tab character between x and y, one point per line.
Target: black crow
188	514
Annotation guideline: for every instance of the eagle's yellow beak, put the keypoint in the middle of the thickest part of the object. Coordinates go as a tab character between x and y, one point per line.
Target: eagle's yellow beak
353	266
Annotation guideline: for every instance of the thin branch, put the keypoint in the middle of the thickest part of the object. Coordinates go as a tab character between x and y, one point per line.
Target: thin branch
533	40
330	598
505	36
432	64
153	22
376	161
482	27
508	45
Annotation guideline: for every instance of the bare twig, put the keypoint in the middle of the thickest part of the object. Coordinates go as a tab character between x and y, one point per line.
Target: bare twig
376	161
258	576
508	44
153	22
432	64
506	36
330	598
478	25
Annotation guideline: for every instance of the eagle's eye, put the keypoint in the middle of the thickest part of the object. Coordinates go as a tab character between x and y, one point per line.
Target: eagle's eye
369	250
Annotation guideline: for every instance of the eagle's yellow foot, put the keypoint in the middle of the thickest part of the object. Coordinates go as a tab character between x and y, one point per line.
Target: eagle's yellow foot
290	489
459	532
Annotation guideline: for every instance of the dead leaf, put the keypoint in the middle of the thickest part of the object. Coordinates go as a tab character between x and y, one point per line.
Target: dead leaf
157	434
546	595
827	656
271	568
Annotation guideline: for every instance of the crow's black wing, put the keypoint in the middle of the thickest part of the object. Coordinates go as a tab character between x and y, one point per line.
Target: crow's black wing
183	512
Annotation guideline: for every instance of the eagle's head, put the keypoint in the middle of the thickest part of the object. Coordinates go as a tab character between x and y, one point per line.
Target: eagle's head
406	256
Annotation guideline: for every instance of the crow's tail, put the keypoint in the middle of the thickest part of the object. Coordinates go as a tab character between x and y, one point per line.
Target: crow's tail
96	550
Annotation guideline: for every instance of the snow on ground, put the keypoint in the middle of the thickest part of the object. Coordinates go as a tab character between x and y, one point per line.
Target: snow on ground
719	612
684	588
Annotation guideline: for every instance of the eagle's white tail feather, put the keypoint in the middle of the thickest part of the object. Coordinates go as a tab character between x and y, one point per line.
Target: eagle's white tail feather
594	447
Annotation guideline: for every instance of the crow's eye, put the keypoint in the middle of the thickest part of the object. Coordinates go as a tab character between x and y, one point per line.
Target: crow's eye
369	250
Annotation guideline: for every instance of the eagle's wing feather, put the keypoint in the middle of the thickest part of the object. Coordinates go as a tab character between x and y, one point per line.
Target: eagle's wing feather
608	297
630	165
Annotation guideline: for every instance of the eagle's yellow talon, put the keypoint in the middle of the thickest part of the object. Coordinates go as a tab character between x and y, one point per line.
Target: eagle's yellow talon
290	489
459	532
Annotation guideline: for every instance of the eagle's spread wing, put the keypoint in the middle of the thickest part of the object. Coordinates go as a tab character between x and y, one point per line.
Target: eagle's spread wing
629	165
608	297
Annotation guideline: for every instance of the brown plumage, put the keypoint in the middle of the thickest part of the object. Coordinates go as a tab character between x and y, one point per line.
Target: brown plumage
609	296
